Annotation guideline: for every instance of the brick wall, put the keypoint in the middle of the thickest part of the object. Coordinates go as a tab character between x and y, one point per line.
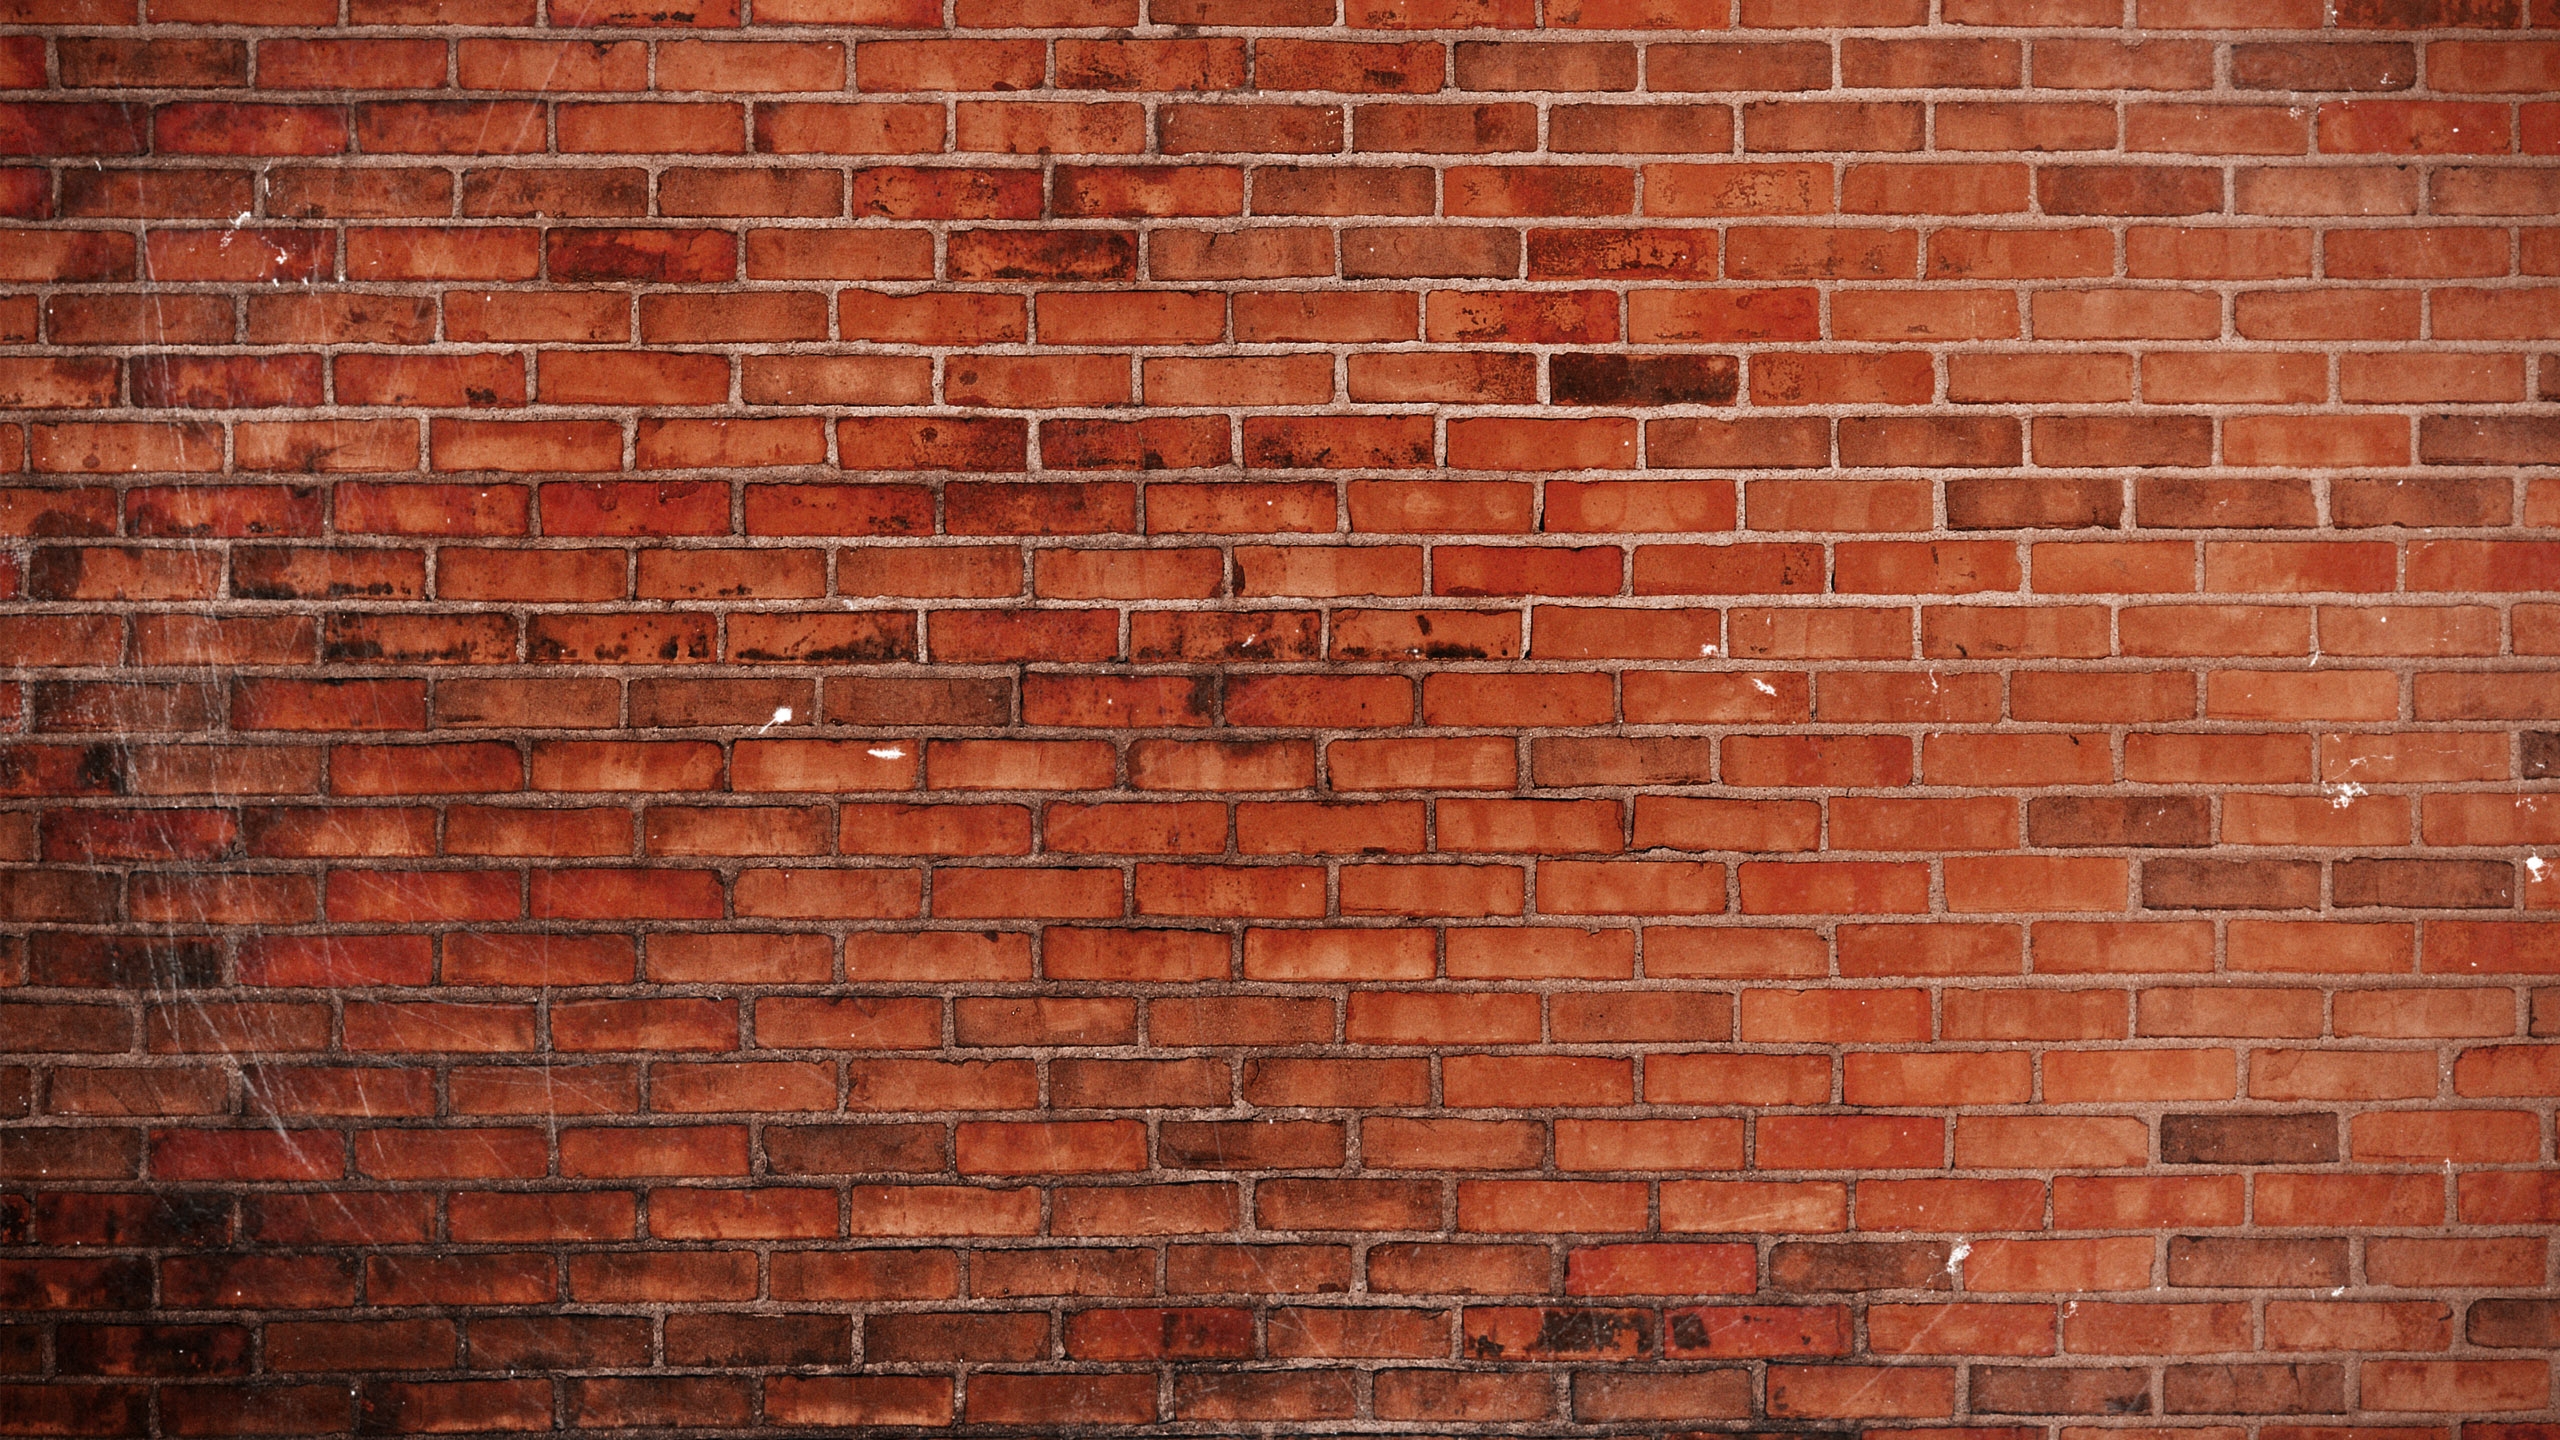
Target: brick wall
1525	717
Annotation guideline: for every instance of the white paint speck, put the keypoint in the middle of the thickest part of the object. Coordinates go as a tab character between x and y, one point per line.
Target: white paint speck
886	752
1763	686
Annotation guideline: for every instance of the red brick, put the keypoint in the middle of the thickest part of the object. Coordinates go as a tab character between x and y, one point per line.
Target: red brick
1431	800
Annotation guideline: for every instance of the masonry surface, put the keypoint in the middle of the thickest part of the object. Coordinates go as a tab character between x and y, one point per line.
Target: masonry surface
1280	717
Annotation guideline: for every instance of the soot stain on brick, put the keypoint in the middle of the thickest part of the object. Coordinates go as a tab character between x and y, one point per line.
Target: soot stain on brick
1636	380
101	962
1569	1333
1443	649
872	650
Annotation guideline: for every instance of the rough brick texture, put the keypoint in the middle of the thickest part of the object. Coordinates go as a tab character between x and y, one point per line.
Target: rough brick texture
1419	717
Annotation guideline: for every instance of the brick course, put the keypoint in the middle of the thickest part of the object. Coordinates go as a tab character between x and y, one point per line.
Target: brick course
1531	717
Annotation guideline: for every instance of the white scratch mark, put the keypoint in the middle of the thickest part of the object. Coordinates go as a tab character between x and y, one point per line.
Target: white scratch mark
1763	686
886	752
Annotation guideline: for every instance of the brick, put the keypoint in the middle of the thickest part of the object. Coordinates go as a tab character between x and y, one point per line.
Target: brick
2480	1384
2411	127
1439	816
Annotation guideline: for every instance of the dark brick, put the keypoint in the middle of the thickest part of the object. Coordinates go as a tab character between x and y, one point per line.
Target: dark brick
1578	379
725	1341
2424	884
188	962
1860	1265
2420	500
156	1221
160	1351
2487	439
943	1338
2254	1389
2507	1323
2119	820
853	1149
2307	1139
2019	1390
2541	753
558	1342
